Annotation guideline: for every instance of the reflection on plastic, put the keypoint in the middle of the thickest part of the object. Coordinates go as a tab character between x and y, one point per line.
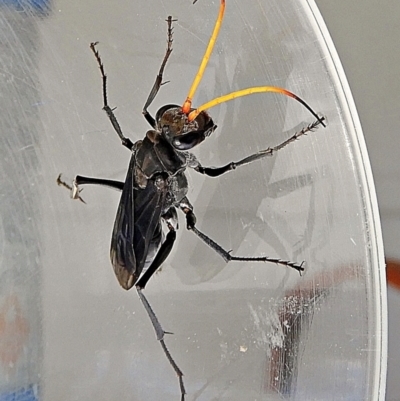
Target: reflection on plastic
40	7
298	307
29	394
20	262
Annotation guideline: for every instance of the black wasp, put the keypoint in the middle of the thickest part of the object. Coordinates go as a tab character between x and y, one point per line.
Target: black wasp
156	185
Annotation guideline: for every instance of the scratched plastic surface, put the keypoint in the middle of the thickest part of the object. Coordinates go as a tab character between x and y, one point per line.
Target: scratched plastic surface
241	331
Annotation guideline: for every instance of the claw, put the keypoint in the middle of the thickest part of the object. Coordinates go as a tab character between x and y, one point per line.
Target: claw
75	191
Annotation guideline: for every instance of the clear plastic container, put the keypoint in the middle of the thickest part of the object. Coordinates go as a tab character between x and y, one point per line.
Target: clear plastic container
242	331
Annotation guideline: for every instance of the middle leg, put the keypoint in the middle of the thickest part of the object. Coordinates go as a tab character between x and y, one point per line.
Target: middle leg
187	208
81	180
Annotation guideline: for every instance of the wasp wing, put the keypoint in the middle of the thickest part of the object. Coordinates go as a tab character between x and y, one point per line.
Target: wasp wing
137	226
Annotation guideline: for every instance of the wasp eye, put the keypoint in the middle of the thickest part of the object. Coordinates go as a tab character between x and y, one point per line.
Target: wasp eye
177	143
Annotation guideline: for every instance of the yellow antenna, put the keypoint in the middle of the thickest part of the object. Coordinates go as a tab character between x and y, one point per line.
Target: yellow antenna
188	102
250	91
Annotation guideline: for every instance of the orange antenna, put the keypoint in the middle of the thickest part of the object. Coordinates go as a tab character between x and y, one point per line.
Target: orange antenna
250	91
188	102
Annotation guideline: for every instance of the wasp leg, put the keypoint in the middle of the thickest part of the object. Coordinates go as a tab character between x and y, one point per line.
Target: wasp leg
157	84
81	180
191	221
162	254
217	171
160	337
110	112
72	189
171	219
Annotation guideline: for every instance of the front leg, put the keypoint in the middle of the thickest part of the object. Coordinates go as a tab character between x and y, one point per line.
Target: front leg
217	171
158	83
109	111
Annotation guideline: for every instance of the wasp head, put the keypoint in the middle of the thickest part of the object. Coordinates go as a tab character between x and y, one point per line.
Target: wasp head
182	133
